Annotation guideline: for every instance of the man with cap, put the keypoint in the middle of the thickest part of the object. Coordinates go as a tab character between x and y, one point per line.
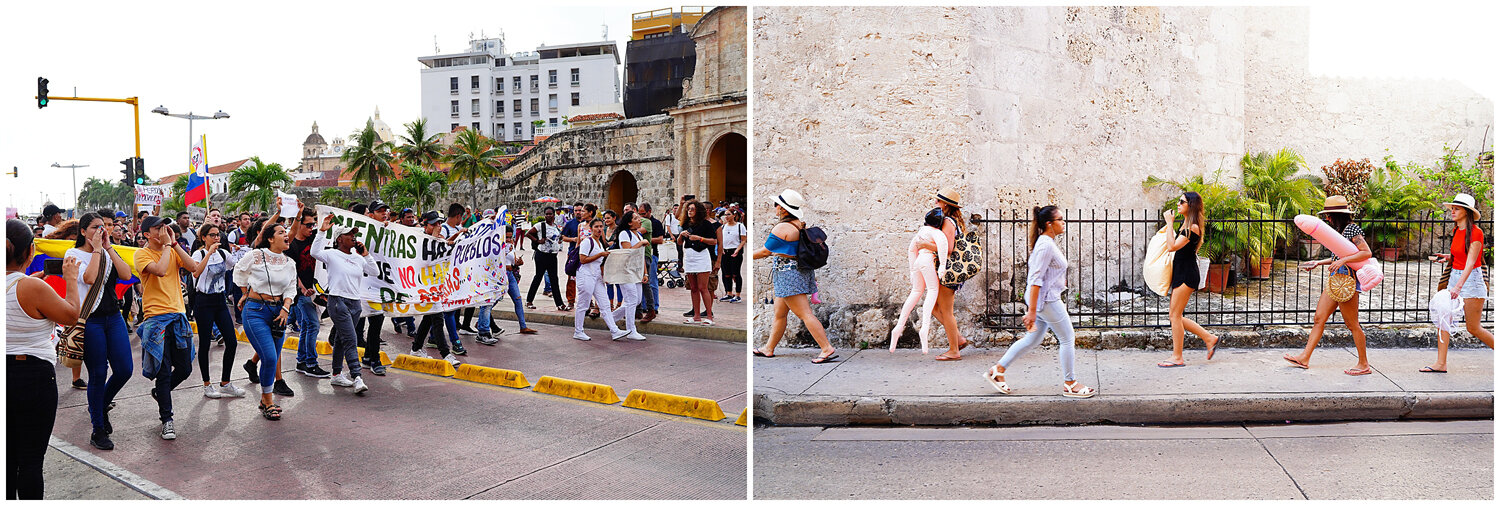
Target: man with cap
367	329
167	349
346	272
430	327
407	217
451	230
52	216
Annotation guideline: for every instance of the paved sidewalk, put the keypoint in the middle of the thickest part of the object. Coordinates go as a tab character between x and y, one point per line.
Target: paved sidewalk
875	387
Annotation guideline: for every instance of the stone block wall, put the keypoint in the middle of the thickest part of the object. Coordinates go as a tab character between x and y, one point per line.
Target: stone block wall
578	164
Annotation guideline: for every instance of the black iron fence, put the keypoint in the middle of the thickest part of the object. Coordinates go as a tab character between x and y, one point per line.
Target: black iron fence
1106	250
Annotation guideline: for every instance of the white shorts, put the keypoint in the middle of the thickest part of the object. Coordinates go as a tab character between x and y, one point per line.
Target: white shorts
696	261
1474	287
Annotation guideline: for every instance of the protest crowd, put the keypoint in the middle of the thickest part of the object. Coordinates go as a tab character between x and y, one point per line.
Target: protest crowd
77	289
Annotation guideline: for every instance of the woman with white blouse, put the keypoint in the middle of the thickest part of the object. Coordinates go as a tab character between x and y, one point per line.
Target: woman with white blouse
591	253
1047	271
269	279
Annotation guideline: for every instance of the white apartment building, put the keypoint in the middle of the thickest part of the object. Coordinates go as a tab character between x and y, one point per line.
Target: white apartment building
501	94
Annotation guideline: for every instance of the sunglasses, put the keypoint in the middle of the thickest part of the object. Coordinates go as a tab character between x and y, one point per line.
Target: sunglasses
214	234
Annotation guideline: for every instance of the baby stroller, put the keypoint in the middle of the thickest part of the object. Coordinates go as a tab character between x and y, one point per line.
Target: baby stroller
666	274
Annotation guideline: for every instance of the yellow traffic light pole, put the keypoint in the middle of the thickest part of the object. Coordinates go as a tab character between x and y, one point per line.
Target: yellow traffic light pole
133	101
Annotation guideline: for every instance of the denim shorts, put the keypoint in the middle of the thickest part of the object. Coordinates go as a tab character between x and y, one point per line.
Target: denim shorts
1473	287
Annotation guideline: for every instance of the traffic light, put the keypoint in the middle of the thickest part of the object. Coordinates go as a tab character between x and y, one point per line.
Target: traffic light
15	172
140	170
128	173
41	92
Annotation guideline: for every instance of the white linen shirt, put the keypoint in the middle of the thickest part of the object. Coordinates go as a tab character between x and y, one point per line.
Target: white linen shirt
346	272
1048	269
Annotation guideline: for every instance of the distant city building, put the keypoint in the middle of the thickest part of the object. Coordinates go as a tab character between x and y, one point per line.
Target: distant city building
502	94
659	55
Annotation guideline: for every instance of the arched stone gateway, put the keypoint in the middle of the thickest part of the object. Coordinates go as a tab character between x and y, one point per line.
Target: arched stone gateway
728	169
622	190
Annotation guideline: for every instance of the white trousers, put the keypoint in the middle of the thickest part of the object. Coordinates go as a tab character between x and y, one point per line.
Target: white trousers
593	288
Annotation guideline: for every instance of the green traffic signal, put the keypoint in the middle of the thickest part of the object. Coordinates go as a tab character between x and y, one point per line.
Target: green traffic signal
41	92
140	171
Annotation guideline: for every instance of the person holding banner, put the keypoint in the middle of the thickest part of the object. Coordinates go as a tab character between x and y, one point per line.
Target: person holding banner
346	277
380	212
451	230
166	341
628	235
430	327
408	218
105	337
590	278
269	279
212	310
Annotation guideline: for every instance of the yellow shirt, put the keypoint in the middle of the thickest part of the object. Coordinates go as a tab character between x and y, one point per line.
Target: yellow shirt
159	294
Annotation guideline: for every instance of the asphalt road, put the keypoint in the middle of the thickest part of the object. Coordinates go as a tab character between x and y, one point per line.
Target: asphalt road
416	436
1363	460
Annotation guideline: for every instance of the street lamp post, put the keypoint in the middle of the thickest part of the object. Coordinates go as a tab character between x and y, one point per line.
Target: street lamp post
75	181
162	110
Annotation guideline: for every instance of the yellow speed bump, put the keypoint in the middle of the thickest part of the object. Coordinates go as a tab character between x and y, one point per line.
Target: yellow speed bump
384	360
325	348
582	390
491	375
239	335
434	366
681	405
290	343
741	421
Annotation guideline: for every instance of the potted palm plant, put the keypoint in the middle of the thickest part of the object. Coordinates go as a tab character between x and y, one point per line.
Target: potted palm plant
1394	196
1278	180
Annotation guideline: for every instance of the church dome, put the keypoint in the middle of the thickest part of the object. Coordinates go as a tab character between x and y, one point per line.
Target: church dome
314	138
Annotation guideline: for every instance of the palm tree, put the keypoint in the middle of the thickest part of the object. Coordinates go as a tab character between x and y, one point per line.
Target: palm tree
418	148
414	188
98	193
474	157
254	186
177	202
369	159
1273	179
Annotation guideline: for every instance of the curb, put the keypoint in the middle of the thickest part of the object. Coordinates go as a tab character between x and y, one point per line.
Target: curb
433	366
732	335
491	376
832	410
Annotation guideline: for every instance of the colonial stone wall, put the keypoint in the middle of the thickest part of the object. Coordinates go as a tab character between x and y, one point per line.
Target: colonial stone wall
869	111
1325	118
714	101
577	164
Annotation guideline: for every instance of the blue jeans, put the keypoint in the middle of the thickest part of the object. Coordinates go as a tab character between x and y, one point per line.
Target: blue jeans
650	295
308	320
258	322
106	346
515	296
450	321
483	326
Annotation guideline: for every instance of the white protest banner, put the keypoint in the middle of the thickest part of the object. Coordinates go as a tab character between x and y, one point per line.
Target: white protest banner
148	195
417	273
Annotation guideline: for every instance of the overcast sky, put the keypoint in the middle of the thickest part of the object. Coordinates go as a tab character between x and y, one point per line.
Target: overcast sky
276	67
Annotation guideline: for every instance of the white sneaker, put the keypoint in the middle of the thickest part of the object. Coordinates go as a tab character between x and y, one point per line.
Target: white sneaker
635	336
618	335
342	380
422	353
231	390
580	336
210	392
451	359
359	385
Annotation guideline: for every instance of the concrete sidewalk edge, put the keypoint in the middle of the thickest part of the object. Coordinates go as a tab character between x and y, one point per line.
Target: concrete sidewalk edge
840	410
727	334
129	479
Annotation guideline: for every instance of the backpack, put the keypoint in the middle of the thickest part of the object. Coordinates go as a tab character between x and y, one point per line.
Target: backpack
812	248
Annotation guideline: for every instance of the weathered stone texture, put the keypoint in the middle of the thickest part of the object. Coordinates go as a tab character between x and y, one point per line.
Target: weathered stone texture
869	111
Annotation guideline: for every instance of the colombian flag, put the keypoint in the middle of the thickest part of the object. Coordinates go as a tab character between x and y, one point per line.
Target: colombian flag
197	185
55	248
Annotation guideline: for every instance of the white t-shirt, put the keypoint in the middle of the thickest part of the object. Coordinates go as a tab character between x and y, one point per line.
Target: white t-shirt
48	230
346	272
593	269
628	236
732	236
84	259
213	278
551	239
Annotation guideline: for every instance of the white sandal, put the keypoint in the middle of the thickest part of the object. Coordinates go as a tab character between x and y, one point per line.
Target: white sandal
1078	391
999	385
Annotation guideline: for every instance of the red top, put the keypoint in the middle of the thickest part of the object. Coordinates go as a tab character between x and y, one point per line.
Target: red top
1460	249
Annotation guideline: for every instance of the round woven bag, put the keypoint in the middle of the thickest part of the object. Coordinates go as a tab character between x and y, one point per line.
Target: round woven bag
1340	287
